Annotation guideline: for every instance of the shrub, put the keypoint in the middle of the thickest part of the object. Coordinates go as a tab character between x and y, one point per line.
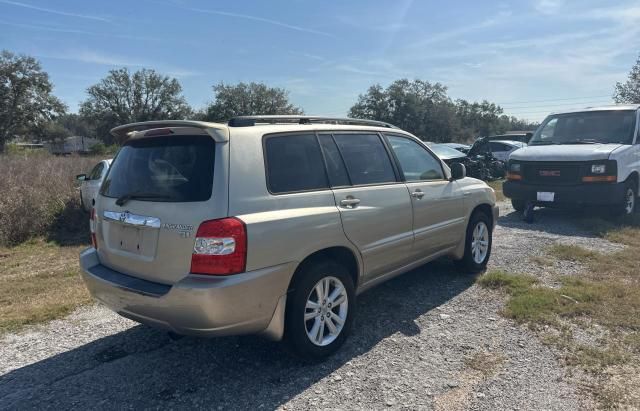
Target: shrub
36	190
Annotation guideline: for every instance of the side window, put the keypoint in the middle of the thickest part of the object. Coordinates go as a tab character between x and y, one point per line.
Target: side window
549	129
416	162
335	166
366	158
294	163
96	173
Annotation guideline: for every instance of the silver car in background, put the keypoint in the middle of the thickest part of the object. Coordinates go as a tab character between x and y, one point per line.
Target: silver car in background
90	183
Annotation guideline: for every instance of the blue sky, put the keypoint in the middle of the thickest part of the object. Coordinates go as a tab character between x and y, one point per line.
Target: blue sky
530	56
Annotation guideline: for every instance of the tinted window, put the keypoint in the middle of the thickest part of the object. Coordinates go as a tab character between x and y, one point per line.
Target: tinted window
335	166
96	173
416	162
366	159
294	163
497	147
175	169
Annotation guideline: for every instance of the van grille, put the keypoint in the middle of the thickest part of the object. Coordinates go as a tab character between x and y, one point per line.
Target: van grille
551	173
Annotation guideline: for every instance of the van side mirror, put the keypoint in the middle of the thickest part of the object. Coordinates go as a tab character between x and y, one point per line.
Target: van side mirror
458	171
81	177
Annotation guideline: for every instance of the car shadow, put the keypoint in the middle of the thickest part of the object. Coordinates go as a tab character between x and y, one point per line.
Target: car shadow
579	222
142	367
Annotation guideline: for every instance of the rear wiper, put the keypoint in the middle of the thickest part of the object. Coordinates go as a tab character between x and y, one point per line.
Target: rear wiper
123	199
542	143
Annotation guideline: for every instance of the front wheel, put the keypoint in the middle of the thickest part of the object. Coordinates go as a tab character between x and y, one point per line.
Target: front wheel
320	310
628	204
477	248
518	205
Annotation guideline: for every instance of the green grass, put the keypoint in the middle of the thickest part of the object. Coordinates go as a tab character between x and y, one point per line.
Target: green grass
604	301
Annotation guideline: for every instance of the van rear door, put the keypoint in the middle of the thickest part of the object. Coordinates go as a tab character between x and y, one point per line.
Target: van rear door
159	189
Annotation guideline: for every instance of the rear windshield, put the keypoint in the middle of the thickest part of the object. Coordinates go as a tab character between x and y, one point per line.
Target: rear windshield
173	169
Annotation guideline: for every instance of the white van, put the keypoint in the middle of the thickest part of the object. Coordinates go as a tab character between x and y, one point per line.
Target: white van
587	157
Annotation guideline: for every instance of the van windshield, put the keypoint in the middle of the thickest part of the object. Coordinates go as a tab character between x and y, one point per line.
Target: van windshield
589	127
173	169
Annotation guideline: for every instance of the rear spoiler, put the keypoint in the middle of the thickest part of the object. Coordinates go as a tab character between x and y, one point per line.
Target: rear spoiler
219	132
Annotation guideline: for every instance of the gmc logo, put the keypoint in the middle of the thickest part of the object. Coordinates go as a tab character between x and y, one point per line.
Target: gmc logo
550	173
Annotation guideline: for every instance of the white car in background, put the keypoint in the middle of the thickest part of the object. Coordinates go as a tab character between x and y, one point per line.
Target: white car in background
502	149
91	183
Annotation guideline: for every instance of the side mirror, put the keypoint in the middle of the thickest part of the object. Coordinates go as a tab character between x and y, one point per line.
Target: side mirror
81	177
458	171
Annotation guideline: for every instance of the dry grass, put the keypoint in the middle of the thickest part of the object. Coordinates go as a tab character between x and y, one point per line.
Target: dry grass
485	362
39	281
497	186
42	231
36	190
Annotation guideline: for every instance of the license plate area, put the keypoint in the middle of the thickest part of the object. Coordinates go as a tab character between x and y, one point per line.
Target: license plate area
131	241
546	196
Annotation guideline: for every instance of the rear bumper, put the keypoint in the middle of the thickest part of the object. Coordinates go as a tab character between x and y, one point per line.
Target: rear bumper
197	305
595	194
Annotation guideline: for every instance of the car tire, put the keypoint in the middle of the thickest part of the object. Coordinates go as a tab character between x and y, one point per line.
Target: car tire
628	205
518	205
316	327
476	254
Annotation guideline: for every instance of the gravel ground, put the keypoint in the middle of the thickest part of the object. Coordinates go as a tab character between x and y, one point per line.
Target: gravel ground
413	346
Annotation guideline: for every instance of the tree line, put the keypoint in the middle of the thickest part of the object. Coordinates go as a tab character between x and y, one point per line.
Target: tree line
29	110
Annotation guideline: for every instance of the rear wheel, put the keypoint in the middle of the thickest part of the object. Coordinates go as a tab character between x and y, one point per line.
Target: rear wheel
477	248
320	310
518	205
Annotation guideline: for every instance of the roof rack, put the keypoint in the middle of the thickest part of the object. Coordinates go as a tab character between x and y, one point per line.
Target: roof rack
249	121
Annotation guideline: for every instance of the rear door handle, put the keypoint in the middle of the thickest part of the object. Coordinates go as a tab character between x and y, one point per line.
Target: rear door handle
350	202
417	194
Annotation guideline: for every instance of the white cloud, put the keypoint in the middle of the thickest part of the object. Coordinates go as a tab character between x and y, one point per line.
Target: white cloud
58	12
548	6
261	20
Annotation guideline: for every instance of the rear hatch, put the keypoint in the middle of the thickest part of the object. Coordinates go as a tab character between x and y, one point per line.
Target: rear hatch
160	187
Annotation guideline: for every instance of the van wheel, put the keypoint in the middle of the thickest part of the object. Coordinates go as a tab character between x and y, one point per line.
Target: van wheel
628	204
518	205
477	248
320	311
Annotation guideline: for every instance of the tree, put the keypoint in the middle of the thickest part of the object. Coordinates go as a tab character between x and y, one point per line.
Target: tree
76	125
26	102
122	97
629	91
426	110
246	99
417	106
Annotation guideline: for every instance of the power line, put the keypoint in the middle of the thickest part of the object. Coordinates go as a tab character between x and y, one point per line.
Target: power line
559	106
555	105
554	99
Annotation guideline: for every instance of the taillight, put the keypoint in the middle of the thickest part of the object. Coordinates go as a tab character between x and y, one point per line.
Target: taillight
220	247
92	228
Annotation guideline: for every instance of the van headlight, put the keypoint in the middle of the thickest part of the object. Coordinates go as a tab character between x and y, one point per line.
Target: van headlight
598	168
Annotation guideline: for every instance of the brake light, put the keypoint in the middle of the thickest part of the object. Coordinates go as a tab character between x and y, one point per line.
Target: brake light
158	132
220	247
92	228
513	176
